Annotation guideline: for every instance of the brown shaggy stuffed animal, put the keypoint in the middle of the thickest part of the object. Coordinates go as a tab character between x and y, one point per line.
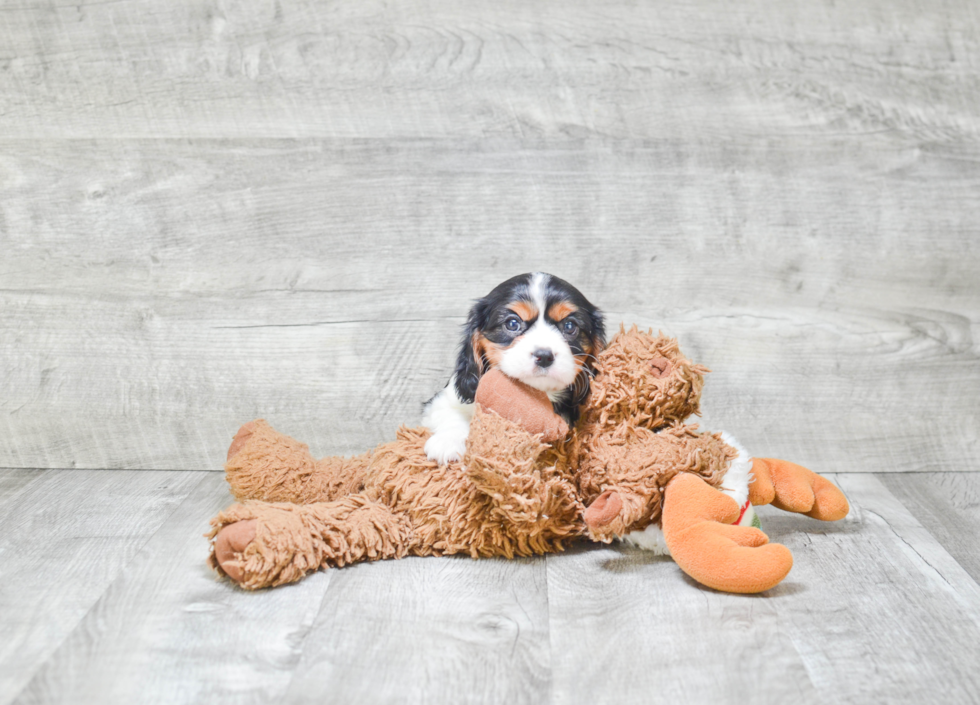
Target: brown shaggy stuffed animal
523	486
652	479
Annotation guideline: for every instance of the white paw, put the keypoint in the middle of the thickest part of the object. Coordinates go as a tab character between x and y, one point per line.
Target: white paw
445	447
649	539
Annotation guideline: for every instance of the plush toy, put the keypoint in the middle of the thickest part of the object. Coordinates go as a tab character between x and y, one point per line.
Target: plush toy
631	469
649	477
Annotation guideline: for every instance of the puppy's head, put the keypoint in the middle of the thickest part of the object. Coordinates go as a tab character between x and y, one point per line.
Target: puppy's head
535	328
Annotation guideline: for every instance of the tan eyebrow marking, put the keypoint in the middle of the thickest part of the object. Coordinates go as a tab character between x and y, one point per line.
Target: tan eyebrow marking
525	310
561	310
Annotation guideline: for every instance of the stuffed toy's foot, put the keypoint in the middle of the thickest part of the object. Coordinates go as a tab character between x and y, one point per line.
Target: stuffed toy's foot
230	544
263	544
265	464
793	488
697	526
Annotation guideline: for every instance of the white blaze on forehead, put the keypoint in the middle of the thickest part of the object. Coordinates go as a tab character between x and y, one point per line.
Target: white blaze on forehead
538	288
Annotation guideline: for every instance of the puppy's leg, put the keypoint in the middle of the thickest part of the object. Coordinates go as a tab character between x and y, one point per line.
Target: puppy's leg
448	417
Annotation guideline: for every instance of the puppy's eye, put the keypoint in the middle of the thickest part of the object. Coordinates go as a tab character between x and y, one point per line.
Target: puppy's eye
569	328
513	324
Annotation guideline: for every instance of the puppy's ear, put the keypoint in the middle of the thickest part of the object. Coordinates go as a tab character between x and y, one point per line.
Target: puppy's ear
470	365
583	381
598	338
571	407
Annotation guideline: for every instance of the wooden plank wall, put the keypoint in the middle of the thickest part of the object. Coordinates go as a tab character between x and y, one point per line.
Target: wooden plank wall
213	211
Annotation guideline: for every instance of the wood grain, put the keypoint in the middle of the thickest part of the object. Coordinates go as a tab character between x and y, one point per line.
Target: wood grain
874	610
14	482
211	212
549	71
63	540
948	506
167	630
632	628
214	213
453	630
876	593
321	285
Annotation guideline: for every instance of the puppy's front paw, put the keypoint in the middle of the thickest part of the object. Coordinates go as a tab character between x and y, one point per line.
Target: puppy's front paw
445	447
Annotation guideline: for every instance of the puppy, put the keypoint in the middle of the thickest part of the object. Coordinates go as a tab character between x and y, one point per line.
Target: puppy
533	327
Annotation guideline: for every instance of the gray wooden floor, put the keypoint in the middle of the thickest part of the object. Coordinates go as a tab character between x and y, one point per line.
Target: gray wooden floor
107	599
212	211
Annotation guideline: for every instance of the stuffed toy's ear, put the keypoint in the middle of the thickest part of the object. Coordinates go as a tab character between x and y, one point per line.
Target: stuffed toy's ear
527	407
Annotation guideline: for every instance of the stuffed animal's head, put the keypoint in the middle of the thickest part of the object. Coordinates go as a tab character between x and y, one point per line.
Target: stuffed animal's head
644	381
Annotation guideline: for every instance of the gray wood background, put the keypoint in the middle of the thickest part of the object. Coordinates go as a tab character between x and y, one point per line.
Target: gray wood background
216	211
212	211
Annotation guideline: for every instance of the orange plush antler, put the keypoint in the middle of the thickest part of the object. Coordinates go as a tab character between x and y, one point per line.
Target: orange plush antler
697	526
793	488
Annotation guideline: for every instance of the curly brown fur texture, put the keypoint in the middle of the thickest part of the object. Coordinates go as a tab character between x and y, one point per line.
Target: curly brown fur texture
499	501
511	495
270	466
642	381
632	438
639	467
292	540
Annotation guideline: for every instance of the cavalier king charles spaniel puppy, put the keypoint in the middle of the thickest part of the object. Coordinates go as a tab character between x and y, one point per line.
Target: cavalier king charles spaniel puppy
535	328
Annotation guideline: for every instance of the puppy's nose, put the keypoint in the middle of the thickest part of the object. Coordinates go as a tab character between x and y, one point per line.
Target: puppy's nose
543	357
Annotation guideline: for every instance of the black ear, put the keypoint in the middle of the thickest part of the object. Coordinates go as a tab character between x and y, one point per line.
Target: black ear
598	332
469	365
569	406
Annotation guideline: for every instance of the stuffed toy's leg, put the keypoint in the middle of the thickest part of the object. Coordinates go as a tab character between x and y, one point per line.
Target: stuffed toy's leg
265	464
263	544
698	528
793	488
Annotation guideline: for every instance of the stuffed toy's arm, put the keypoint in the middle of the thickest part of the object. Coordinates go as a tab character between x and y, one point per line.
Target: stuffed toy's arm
529	408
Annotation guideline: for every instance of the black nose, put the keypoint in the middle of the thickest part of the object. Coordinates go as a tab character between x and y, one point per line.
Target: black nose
543	357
